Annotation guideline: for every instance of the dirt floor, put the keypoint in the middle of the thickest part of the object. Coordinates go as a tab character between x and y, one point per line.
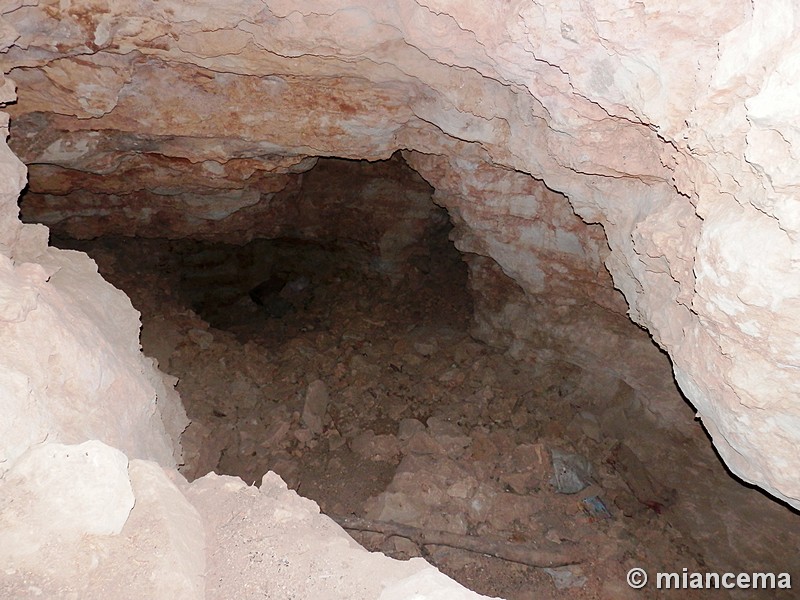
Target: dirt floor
371	398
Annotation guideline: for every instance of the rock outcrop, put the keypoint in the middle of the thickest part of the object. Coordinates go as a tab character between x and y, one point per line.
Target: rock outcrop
72	369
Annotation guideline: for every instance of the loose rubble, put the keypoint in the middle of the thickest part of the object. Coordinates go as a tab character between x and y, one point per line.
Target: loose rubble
377	403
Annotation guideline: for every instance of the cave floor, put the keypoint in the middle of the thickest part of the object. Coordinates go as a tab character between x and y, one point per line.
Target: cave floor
373	400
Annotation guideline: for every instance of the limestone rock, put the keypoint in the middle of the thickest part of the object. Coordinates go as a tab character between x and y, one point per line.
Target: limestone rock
63	492
63	384
158	553
175	531
297	552
579	149
315	406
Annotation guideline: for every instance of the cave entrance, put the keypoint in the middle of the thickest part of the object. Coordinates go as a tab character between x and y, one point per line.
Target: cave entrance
324	334
335	350
291	346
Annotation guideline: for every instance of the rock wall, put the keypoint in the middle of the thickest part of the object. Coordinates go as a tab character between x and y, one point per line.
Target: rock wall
70	364
671	126
539	284
382	207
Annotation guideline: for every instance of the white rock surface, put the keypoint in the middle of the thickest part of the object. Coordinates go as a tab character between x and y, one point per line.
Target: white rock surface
85	553
674	126
59	492
70	365
174	534
260	545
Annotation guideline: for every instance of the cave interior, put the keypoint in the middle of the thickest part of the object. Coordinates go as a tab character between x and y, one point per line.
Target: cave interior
485	287
347	345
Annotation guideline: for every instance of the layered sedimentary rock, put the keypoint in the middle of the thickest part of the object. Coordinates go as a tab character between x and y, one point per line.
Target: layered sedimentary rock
71	365
671	126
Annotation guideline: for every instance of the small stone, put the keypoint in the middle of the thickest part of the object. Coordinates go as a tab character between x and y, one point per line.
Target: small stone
408	427
452	377
518	482
275	433
449	436
335	440
519	418
201	337
393	507
303	435
425	348
463	489
552	536
588	425
375	447
316	405
423	443
571	472
400	548
567	577
412	360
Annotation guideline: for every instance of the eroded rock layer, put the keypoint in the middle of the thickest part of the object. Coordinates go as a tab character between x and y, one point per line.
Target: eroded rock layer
671	126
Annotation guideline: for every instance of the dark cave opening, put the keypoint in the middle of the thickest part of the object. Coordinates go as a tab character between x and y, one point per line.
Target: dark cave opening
287	264
335	349
337	284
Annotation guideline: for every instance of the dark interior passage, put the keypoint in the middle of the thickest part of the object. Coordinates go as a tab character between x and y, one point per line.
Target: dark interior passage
356	379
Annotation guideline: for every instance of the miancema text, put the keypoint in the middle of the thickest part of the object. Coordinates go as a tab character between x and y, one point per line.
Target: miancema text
713	581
